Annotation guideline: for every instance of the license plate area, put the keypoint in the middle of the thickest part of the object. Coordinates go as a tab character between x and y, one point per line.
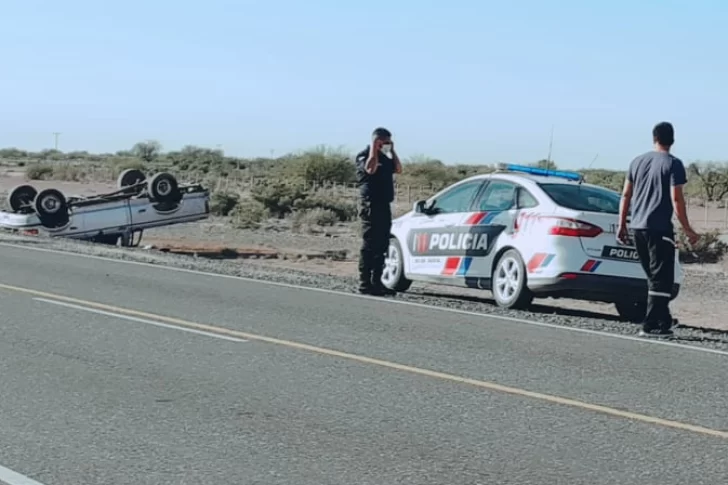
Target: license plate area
620	253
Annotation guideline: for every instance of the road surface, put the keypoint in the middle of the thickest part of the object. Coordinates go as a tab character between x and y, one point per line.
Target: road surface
117	373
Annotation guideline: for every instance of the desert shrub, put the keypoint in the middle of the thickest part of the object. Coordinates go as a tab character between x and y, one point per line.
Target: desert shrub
222	203
306	219
430	173
278	198
248	214
318	166
39	171
69	173
343	208
710	249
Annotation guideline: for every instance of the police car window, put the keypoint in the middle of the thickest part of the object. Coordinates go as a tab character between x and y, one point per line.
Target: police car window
498	196
457	199
525	199
583	198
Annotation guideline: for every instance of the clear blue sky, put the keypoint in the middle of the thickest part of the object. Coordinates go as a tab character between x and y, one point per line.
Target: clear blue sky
464	81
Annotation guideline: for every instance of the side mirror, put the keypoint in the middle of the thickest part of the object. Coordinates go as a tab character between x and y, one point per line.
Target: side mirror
422	207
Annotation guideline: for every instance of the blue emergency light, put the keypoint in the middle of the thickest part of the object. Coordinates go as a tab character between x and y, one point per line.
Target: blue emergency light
541	171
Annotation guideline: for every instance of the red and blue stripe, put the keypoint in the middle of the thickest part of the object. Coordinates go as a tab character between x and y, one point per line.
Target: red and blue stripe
481	218
591	265
539	260
457	266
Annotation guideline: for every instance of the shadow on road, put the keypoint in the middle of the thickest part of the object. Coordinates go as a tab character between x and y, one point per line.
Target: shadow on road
536	308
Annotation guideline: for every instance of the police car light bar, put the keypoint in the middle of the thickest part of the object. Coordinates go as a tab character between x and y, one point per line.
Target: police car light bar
540	171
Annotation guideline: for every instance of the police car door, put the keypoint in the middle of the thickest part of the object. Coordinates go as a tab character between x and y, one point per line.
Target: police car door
438	239
495	212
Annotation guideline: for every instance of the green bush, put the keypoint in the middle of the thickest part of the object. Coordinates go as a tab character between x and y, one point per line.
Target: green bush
306	219
345	209
317	166
39	171
69	173
248	214
710	249
222	203
432	173
278	198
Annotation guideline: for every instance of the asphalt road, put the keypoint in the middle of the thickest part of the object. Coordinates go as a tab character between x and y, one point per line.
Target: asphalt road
191	379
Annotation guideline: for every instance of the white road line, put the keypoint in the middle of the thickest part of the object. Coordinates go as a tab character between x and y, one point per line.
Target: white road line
14	478
141	320
378	299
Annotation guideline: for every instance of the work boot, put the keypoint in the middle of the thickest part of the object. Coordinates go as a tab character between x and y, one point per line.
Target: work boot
365	280
378	286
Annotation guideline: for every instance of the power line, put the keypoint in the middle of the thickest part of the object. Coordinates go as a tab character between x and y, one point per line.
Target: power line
56	135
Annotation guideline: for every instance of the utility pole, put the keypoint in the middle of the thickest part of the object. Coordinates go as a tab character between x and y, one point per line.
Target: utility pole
551	145
56	135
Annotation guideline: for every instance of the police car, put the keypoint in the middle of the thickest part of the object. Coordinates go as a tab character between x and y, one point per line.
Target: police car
522	233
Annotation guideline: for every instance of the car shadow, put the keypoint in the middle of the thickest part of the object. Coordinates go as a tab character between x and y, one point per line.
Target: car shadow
535	308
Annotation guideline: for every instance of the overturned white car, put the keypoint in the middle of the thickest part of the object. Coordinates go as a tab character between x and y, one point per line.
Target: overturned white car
138	204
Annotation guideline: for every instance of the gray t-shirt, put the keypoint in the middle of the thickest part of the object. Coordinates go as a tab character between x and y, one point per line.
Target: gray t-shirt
652	175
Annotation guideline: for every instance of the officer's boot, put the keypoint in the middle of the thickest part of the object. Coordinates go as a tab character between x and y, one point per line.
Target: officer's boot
365	273
377	285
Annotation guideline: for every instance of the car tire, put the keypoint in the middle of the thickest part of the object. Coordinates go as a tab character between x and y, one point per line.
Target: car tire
21	198
393	274
631	311
129	177
163	187
52	208
509	282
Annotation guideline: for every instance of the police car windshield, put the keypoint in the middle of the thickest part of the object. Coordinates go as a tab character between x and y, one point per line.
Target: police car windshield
583	198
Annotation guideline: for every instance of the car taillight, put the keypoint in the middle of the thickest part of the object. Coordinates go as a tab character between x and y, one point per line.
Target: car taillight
573	228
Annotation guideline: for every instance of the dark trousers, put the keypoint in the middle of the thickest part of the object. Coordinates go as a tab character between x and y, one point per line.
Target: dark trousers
657	255
376	224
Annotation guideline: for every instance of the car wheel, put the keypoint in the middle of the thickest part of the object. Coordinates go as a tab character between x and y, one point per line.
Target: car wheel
164	188
21	198
393	274
631	311
509	282
52	208
130	177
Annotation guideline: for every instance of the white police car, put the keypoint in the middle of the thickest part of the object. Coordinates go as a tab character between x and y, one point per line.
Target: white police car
523	233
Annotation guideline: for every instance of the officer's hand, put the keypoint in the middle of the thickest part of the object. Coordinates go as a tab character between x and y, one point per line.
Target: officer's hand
623	235
693	237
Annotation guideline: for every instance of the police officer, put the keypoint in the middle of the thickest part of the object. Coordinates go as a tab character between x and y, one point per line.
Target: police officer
375	169
654	187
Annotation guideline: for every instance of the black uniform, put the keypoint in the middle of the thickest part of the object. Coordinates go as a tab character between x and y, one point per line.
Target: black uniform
652	175
376	195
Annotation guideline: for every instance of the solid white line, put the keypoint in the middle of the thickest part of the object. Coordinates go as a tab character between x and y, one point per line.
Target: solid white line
14	478
140	320
378	299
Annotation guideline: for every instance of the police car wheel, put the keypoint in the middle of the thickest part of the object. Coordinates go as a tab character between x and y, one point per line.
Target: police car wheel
509	282
631	311
393	274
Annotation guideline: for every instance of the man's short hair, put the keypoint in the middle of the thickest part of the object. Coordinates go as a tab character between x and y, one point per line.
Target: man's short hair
381	133
664	134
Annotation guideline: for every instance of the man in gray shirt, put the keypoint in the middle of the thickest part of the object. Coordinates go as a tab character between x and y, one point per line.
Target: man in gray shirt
654	187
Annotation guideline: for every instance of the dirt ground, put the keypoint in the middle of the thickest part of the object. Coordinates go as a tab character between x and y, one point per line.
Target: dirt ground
701	303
